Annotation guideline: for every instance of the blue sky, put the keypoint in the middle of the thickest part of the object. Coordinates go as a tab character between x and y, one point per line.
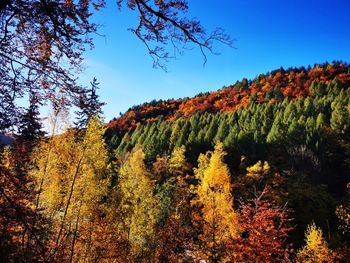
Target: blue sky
269	34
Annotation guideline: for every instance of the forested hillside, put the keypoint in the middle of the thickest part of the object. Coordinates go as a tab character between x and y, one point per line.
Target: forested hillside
255	172
272	87
297	120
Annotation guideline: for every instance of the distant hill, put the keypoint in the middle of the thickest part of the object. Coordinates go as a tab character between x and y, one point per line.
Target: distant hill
271	87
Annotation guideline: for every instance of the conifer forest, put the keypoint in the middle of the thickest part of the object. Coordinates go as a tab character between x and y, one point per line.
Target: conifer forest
257	171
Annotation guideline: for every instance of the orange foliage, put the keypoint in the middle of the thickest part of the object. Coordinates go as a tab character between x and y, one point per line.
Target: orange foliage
293	83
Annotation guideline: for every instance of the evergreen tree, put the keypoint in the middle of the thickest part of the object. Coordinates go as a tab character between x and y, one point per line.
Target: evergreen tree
321	121
222	131
9	112
88	104
340	119
277	131
30	127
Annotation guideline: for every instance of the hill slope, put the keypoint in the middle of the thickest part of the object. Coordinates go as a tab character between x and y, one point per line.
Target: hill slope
298	120
271	87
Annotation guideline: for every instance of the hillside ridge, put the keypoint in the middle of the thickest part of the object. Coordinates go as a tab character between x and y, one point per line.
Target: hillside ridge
270	87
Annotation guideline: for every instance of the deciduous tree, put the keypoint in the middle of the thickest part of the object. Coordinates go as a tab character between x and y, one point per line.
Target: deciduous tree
139	205
220	220
43	43
316	248
73	182
264	231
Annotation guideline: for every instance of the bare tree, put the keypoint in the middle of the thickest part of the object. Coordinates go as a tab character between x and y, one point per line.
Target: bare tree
163	26
42	43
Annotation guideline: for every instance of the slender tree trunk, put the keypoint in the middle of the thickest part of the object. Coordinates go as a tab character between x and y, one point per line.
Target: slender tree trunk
24	242
76	230
46	164
68	204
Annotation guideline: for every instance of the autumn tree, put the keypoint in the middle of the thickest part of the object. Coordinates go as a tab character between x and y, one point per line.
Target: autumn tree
178	165
176	232
343	213
258	170
23	230
74	183
16	176
138	204
264	232
179	169
316	248
220	220
254	179
172	240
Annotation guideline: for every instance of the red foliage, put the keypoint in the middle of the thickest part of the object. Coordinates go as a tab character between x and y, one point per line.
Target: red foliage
144	113
21	225
264	232
293	83
172	240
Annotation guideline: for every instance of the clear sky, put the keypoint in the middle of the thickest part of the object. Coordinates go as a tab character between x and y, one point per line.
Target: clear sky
269	34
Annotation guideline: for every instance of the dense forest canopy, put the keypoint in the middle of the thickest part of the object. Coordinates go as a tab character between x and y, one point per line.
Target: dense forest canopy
258	171
271	87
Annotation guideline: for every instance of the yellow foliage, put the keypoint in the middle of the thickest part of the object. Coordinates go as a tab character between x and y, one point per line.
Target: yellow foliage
215	198
6	157
177	161
316	249
203	163
71	173
139	205
258	170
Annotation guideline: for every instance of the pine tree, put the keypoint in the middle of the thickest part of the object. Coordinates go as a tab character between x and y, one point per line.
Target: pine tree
340	119
321	121
277	131
89	105
222	131
30	127
9	111
175	133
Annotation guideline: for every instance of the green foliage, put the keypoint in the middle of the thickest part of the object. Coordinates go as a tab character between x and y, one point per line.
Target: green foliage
340	118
